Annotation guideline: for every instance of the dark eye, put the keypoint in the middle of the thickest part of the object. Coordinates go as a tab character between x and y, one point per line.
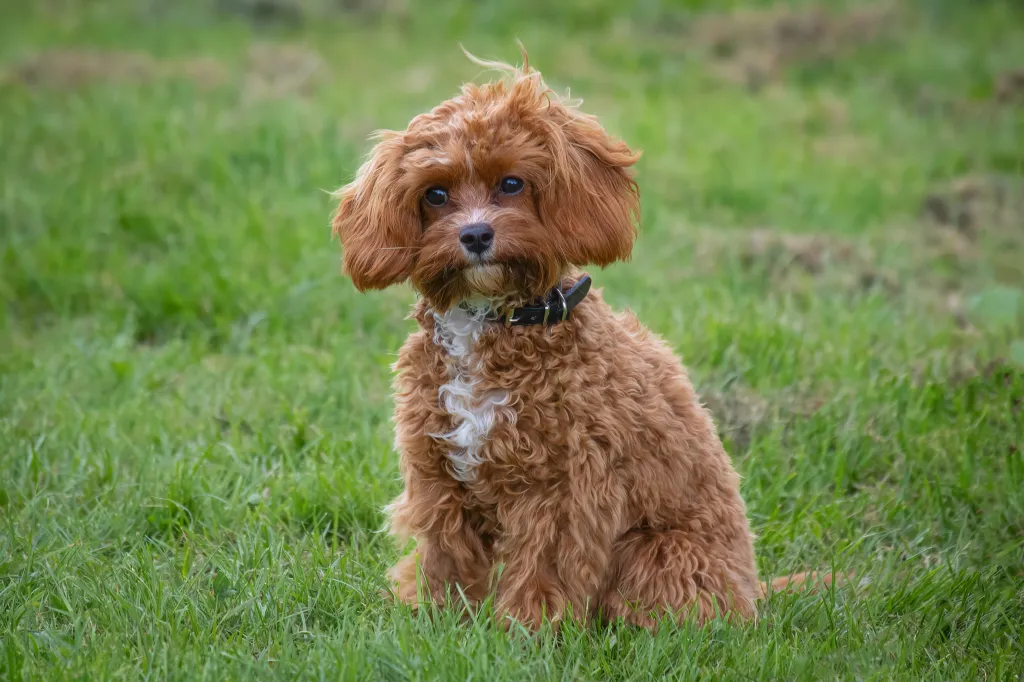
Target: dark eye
511	185
436	196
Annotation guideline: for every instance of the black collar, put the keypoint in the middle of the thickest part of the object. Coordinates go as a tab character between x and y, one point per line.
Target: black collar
555	308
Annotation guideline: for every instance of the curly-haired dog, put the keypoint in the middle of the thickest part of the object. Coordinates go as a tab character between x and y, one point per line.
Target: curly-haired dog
538	430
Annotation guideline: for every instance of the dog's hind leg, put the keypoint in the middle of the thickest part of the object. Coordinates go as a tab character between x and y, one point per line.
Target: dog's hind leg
658	572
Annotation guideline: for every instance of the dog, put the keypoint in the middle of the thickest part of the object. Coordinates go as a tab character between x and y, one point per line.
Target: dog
555	456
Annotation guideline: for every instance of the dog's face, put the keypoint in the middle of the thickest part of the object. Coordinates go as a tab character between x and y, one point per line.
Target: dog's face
493	194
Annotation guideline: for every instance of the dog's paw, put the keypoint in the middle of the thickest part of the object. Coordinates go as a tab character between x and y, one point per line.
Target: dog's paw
527	613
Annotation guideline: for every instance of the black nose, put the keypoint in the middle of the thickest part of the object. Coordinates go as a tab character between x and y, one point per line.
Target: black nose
476	238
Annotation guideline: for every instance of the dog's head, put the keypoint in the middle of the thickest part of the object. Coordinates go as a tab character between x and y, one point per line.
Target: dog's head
493	194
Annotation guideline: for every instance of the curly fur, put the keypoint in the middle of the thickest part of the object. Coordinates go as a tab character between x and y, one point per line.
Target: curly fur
473	411
576	458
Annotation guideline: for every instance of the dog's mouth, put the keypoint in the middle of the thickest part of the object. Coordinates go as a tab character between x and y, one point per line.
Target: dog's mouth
511	280
488	280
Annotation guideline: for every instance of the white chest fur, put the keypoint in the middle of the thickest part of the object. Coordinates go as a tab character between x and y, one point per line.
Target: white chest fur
473	409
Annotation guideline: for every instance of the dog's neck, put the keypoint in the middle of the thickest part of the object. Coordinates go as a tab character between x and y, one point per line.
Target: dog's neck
544	311
485	306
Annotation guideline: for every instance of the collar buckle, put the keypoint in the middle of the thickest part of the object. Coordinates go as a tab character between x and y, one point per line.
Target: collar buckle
534	314
510	317
565	306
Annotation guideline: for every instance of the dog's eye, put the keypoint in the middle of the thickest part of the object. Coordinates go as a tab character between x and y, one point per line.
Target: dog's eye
436	196
511	185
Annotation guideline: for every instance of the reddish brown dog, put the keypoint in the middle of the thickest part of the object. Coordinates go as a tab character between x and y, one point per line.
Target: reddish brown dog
566	464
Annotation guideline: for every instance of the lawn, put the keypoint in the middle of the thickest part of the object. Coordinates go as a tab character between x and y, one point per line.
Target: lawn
195	442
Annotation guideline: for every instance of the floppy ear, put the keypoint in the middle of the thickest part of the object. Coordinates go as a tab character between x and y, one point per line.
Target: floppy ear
378	224
592	198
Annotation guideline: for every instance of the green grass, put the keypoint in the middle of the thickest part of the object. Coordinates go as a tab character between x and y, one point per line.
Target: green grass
194	404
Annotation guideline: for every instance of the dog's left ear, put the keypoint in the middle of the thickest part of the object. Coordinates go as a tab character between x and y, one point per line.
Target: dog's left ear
592	199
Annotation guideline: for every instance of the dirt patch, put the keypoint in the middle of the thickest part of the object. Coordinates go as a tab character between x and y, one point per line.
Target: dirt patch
971	233
77	68
738	410
780	251
294	13
754	47
1010	87
974	205
271	70
278	70
741	413
205	72
266	12
783	256
798	263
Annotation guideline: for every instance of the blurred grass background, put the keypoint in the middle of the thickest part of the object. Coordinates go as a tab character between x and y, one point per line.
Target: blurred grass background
194	405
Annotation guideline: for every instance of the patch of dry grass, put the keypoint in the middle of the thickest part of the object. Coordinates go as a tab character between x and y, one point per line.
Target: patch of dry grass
752	47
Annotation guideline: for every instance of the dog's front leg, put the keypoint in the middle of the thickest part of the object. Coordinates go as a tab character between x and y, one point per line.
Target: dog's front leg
555	548
449	555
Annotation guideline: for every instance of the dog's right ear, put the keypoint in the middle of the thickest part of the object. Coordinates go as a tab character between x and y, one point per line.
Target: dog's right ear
378	224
